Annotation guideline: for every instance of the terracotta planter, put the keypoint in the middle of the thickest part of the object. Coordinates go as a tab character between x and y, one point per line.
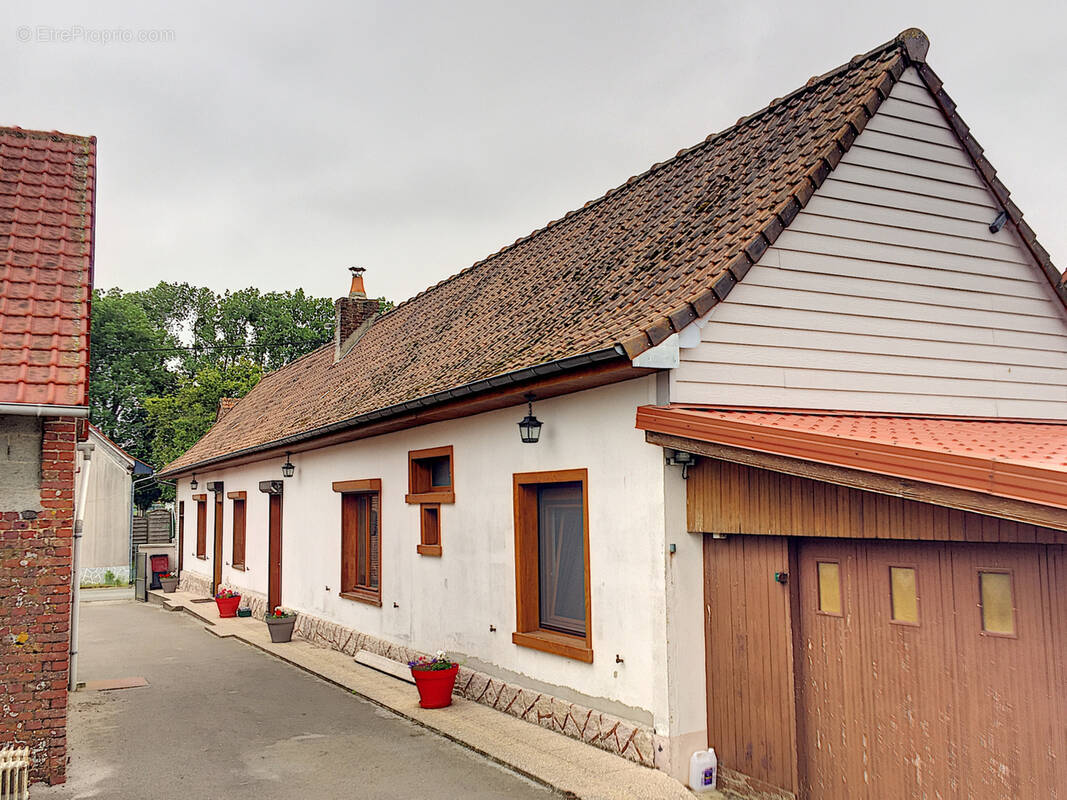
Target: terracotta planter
435	686
170	585
228	605
281	628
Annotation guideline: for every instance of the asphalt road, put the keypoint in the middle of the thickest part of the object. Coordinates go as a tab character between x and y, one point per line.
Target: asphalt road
220	719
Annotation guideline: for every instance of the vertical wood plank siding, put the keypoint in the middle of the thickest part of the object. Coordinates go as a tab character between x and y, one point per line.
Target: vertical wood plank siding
749	641
731	498
889	293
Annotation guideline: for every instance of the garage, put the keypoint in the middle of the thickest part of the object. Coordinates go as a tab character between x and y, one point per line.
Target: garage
879	631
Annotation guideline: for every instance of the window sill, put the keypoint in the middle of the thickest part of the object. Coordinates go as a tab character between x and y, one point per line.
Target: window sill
429	549
202	558
559	644
238	567
445	496
363	597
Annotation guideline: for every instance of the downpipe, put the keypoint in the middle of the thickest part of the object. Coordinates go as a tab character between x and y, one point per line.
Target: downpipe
86	449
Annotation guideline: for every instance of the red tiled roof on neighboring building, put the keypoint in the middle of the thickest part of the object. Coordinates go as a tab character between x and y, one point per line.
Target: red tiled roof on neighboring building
46	261
1022	460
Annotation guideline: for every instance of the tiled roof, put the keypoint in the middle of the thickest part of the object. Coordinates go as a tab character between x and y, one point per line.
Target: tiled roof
1023	460
623	272
46	247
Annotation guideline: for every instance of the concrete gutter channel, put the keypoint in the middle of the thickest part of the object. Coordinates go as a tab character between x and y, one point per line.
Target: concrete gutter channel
569	767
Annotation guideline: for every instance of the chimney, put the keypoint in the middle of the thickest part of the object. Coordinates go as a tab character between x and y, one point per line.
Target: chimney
353	315
225	404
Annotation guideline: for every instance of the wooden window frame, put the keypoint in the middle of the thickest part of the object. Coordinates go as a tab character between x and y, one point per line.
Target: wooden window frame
918	596
370	486
201	526
419	489
981	607
840	588
429	548
238	522
528	630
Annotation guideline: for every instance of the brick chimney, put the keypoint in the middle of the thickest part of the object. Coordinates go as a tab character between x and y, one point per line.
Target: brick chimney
353	315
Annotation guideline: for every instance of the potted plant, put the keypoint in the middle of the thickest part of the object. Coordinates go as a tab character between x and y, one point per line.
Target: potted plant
169	582
434	678
227	600
280	623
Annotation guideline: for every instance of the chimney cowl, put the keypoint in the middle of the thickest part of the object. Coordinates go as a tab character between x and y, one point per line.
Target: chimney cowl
356	289
353	315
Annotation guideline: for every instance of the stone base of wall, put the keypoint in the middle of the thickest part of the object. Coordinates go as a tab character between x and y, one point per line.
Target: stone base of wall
634	742
195	584
95	575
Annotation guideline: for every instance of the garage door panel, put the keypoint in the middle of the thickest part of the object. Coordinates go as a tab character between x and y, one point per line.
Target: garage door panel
833	701
938	673
909	674
1004	685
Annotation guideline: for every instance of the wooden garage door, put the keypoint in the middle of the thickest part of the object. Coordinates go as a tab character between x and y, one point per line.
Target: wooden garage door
931	670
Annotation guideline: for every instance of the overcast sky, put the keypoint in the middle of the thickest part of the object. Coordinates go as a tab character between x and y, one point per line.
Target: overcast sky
275	144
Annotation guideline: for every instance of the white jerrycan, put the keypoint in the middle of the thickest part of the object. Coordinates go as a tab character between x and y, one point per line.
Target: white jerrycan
703	769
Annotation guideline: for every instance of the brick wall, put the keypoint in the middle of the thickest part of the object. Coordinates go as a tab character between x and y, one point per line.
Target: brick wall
35	567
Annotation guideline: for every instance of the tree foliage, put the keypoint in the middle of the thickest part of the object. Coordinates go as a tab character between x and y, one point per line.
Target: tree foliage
162	358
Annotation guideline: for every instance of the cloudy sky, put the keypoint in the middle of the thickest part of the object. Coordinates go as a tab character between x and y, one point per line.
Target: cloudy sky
273	144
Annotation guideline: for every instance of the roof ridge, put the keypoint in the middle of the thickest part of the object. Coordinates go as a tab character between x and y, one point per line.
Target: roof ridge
915	35
31	133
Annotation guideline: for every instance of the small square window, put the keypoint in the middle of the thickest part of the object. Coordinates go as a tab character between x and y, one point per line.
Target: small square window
998	608
904	594
830	588
430	476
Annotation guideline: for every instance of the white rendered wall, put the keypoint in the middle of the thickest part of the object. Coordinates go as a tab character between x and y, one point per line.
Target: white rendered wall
450	602
889	293
106	538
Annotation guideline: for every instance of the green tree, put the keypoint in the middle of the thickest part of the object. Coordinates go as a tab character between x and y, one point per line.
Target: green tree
179	419
126	365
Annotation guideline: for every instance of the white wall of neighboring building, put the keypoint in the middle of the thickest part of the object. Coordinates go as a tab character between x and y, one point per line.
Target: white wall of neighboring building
450	602
106	539
889	293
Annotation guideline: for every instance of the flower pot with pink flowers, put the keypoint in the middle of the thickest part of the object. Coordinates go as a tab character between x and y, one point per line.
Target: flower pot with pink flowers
435	678
227	600
280	623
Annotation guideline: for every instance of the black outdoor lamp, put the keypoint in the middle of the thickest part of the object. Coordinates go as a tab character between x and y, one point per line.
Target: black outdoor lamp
530	427
287	468
193	484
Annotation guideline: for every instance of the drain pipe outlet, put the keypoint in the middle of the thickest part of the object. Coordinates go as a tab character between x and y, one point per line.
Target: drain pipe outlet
86	449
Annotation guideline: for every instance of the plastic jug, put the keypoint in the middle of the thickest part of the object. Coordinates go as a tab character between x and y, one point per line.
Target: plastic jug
703	770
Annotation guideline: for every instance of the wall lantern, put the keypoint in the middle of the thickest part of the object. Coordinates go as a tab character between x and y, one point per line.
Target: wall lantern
530	427
193	484
287	468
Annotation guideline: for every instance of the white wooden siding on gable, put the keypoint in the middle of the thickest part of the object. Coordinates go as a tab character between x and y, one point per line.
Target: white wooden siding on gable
889	293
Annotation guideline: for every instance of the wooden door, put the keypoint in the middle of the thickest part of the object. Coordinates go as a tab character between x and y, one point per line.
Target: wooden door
216	558
904	692
274	553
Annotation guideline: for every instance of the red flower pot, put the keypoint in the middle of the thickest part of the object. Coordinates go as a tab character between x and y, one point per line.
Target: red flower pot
228	605
435	686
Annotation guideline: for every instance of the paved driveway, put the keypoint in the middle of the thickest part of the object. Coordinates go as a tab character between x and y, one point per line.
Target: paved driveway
221	719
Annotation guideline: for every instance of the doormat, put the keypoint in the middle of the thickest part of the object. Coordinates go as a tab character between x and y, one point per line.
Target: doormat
112	684
203	600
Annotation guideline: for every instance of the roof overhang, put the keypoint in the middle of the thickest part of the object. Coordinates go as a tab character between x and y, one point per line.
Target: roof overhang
550	379
959	476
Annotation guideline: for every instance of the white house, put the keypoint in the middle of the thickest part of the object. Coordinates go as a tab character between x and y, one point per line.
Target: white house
846	356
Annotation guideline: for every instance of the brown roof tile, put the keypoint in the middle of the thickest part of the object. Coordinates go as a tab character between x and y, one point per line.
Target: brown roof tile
622	272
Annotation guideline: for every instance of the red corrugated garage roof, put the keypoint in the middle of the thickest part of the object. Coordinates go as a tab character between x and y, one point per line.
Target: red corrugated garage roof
46	248
1022	460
